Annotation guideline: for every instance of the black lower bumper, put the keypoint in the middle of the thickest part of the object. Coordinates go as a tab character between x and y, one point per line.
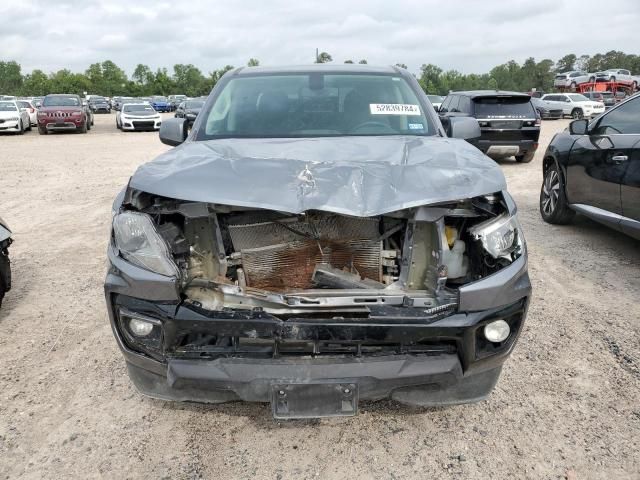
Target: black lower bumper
441	361
419	381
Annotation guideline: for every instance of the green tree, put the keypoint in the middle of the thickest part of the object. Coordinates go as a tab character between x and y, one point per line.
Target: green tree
348	61
253	62
566	63
492	84
362	62
324	57
402	65
187	80
35	83
10	77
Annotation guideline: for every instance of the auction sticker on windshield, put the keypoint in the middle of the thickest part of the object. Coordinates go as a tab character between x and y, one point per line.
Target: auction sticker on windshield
393	109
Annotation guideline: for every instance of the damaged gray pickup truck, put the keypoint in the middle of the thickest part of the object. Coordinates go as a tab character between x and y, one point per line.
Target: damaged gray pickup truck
317	239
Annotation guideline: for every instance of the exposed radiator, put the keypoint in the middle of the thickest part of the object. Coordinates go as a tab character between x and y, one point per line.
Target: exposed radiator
282	254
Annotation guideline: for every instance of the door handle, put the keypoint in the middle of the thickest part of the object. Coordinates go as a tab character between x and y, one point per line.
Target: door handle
619	159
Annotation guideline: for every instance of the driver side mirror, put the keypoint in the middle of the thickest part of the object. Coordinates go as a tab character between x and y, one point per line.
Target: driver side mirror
173	131
465	128
579	127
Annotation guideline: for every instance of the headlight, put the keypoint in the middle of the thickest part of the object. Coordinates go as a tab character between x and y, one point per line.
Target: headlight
76	114
500	236
139	243
42	114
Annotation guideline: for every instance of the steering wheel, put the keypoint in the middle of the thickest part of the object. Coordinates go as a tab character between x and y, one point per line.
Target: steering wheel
372	123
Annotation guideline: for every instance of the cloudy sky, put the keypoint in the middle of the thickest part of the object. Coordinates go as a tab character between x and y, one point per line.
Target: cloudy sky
470	35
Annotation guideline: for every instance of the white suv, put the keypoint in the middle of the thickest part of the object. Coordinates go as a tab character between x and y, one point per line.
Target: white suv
619	75
573	79
575	105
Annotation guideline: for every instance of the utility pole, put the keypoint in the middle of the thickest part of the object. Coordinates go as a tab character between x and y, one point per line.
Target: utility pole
316	55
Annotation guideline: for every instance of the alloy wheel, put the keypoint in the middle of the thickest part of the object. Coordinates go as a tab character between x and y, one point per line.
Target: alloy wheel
550	192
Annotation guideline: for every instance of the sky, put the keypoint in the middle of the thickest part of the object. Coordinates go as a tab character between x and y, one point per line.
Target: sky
470	36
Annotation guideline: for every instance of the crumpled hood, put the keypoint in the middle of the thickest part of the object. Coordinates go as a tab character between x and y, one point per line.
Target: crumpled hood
358	176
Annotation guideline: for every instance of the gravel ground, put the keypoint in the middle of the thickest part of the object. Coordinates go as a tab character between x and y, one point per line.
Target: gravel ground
566	405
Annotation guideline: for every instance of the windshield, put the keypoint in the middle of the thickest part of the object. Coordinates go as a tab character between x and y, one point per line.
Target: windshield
24	104
137	108
7	107
315	105
497	107
578	98
60	101
193	104
97	99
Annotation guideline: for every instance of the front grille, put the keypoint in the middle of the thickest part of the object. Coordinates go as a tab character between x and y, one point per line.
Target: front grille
60	114
213	347
283	253
143	124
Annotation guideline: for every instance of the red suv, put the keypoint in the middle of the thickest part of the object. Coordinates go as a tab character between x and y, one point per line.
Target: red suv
62	113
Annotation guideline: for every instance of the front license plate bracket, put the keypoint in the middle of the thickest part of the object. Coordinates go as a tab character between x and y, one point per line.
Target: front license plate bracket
314	400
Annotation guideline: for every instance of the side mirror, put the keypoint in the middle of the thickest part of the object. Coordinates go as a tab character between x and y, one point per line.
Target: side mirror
173	131
465	128
579	127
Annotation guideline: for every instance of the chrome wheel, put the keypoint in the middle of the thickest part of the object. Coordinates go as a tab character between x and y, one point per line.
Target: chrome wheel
550	192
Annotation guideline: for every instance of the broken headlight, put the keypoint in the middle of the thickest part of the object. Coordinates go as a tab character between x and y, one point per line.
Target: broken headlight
139	243
500	236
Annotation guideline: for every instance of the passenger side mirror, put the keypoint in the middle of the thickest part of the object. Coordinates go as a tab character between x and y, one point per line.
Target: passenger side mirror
465	128
173	131
579	127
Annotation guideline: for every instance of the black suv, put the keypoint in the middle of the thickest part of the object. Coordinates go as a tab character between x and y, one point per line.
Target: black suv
508	121
593	168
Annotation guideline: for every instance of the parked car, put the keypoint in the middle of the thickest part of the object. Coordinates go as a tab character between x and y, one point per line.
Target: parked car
160	104
536	93
13	119
606	98
99	105
138	116
63	112
315	241
620	95
593	168
575	105
89	113
508	122
31	110
619	75
175	101
5	264
436	100
546	110
189	110
572	79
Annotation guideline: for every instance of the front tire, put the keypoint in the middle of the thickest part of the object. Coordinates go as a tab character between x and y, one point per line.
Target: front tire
5	275
577	113
83	128
554	207
42	130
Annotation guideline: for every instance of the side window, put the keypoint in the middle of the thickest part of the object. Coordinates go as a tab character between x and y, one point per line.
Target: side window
563	98
465	104
453	106
625	72
574	75
445	105
622	120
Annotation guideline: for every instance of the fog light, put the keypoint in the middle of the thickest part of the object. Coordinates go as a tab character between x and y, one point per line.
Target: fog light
142	328
497	331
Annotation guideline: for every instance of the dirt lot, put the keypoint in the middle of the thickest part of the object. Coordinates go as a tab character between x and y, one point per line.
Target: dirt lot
567	404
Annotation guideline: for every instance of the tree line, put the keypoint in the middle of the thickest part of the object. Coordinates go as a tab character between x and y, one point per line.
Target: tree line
108	79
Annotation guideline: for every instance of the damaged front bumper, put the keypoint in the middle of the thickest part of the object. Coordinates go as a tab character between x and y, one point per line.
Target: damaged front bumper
434	358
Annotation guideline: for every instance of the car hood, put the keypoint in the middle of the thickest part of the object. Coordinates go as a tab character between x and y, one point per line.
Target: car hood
61	109
13	113
139	114
359	176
